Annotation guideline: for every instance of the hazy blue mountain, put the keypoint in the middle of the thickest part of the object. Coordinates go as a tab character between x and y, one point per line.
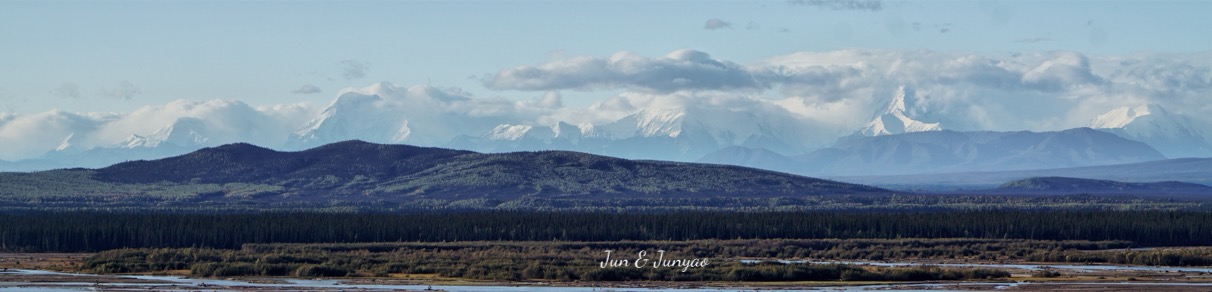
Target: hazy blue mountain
753	157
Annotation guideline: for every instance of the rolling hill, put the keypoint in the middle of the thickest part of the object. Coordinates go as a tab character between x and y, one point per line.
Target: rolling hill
356	171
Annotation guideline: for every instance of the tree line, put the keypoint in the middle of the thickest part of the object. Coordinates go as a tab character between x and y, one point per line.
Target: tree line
96	231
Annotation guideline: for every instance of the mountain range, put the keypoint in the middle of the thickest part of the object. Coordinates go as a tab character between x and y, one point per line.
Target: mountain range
901	137
949	151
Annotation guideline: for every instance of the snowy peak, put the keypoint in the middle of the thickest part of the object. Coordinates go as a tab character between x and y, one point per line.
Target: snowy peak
185	132
386	114
67	142
894	120
1171	134
897	105
508	132
650	122
1122	117
561	131
354	111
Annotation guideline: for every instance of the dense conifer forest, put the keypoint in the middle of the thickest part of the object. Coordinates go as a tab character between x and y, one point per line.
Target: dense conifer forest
95	231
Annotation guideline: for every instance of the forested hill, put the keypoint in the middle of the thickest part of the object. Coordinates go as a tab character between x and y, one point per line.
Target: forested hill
1068	185
356	171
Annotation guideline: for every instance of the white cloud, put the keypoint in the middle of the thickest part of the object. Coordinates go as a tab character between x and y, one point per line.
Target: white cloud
223	121
716	23
28	136
226	121
678	70
419	115
1035	91
67	90
352	69
124	90
306	89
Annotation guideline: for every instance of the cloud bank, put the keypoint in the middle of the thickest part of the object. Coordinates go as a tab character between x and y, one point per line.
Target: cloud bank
967	91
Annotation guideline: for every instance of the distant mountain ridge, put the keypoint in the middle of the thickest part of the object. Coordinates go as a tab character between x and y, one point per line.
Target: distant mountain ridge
677	133
748	131
948	151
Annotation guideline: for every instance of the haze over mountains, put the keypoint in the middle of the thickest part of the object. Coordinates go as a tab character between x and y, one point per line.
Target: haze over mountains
851	112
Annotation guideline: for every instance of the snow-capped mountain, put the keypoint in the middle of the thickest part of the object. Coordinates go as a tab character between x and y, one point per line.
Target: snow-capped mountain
668	131
384	113
949	151
510	137
1170	133
151	132
894	119
182	136
190	133
734	129
356	114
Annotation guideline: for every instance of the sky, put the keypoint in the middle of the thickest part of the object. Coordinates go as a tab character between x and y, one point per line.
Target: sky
117	56
78	75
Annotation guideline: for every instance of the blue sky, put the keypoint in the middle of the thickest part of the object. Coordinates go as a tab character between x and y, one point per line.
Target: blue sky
86	56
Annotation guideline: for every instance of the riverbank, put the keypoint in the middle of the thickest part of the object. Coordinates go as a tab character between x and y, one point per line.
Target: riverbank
1023	277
